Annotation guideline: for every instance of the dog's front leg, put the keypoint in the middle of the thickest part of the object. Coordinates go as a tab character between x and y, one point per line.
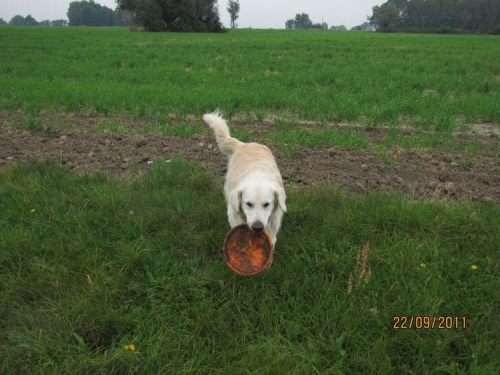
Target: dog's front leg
273	225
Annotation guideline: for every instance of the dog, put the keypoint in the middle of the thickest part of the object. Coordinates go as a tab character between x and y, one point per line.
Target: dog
253	186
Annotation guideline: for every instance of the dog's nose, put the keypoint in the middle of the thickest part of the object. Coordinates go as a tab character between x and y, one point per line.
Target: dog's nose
258	227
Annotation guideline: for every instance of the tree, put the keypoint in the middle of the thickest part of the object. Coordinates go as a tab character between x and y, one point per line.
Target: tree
301	21
88	13
384	16
233	7
147	12
18	20
2	22
290	24
175	15
30	21
365	26
124	18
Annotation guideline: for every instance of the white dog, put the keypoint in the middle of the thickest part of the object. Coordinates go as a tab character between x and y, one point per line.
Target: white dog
253	188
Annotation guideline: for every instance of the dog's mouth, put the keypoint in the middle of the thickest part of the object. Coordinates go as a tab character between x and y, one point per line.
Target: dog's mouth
257	227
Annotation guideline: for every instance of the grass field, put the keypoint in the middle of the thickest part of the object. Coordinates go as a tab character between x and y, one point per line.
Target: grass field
91	264
101	275
428	81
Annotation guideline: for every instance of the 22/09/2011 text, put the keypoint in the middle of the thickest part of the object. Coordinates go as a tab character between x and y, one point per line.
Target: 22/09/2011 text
428	322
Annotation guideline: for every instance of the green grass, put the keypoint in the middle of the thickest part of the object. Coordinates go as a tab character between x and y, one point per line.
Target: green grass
90	264
315	136
433	81
181	129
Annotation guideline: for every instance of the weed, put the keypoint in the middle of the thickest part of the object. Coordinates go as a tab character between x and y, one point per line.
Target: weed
110	126
362	271
33	123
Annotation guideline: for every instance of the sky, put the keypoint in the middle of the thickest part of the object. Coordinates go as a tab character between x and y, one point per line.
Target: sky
258	14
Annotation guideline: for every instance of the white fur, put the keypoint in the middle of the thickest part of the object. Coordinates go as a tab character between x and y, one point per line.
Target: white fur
253	188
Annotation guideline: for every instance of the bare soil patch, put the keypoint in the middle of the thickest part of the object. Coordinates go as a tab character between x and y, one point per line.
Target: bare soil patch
430	173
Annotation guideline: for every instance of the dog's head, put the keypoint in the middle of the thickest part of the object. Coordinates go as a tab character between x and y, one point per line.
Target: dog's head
256	202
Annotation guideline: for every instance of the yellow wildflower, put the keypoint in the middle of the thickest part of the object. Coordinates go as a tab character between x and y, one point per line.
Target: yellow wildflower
32	210
474	267
423	265
130	347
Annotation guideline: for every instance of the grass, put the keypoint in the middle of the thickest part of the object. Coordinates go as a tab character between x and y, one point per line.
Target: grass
437	84
315	136
91	264
433	81
180	129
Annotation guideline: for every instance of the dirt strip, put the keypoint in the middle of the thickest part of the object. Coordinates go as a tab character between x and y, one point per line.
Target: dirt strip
430	173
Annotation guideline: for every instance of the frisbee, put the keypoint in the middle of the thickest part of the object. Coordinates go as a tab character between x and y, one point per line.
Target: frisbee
246	252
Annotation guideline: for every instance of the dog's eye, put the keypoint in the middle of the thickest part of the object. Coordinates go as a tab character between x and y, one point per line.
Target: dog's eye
250	204
265	205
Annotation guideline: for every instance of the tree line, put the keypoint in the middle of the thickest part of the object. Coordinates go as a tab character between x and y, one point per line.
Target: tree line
202	16
81	13
19	20
481	16
302	21
153	15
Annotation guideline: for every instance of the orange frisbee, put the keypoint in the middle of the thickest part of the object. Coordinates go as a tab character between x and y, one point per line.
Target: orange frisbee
246	252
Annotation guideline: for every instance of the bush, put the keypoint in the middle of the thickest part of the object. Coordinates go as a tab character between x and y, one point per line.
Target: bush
444	30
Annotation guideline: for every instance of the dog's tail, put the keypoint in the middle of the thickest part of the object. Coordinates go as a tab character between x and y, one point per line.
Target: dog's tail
226	143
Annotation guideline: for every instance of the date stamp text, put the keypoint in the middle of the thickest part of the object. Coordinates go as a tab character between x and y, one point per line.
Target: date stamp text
429	322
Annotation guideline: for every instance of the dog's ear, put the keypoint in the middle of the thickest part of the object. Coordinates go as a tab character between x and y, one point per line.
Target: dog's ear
235	200
280	196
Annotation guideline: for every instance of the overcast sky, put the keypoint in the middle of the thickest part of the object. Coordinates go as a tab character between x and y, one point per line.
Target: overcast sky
253	13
